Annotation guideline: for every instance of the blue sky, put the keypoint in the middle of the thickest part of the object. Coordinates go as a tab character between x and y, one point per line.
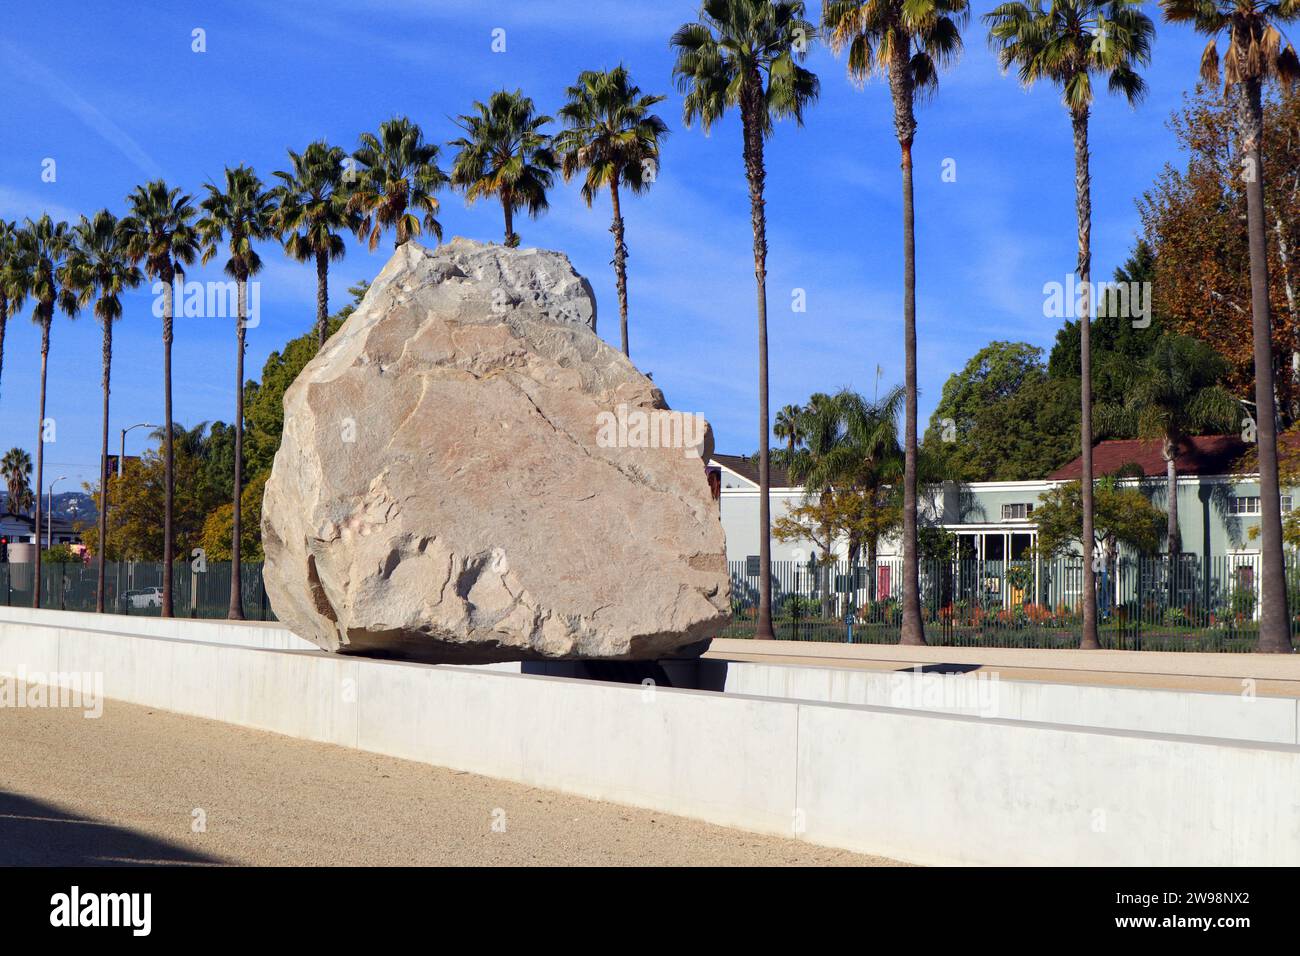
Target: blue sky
116	98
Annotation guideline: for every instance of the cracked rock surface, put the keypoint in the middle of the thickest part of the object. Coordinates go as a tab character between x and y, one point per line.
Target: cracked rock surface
469	474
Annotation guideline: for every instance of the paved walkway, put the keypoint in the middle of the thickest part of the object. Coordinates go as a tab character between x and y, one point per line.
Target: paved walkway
124	788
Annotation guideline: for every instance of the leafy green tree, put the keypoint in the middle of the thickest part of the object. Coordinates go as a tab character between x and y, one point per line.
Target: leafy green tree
218	528
264	400
160	233
1003	418
614	138
312	213
1123	514
1256	53
505	154
133	530
40	272
60	554
1065	43
909	42
1117	342
397	181
238	213
746	54
101	271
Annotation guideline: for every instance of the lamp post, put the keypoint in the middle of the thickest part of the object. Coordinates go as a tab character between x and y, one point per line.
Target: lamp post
122	451
49	514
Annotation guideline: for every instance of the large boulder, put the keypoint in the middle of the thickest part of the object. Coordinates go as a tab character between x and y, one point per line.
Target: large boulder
469	474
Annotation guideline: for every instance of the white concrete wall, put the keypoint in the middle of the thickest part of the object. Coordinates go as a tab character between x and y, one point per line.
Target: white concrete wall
961	790
916	786
983	694
237	633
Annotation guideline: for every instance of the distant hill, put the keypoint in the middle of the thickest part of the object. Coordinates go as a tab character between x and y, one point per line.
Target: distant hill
72	505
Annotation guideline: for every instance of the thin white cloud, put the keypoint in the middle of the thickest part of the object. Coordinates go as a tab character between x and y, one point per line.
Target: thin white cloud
18	204
23	66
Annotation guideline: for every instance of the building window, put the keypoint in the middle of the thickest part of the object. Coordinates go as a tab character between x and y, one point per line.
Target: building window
1245	505
1018	511
1286	504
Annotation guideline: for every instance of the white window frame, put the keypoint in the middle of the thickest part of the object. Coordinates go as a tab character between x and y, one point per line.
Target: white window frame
1239	500
1027	506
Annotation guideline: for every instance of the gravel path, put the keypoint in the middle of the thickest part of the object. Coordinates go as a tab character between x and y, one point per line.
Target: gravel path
135	784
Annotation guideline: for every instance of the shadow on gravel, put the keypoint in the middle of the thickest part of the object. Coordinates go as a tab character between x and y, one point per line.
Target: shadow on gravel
35	833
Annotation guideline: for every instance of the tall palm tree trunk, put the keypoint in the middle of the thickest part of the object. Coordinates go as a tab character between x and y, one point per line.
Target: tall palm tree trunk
620	262
236	612
322	300
103	470
168	457
510	221
1274	630
4	320
757	176
872	550
828	558
40	459
1174	536
1083	207
913	630
1171	480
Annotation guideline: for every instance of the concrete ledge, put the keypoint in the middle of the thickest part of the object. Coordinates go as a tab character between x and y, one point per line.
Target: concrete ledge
986	693
237	633
1280	667
923	787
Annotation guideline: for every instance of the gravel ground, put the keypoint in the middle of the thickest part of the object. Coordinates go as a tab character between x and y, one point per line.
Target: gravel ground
135	784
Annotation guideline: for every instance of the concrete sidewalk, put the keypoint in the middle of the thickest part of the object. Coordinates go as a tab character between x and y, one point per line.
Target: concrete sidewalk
125	789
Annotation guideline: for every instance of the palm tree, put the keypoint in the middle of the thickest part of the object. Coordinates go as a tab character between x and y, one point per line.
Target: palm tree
41	273
239	212
505	154
1171	396
787	427
312	212
101	271
8	254
907	41
1065	43
614	137
16	469
160	233
746	54
1256	53
397	181
851	445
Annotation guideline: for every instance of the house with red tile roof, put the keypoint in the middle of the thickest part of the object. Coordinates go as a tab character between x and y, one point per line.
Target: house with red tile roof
1218	505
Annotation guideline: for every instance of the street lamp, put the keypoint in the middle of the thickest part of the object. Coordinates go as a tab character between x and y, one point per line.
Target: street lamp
49	513
122	453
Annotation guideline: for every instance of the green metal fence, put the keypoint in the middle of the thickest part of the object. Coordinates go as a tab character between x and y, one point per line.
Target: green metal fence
130	588
1192	604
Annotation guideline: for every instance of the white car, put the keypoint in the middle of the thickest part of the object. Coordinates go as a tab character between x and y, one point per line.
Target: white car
144	597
